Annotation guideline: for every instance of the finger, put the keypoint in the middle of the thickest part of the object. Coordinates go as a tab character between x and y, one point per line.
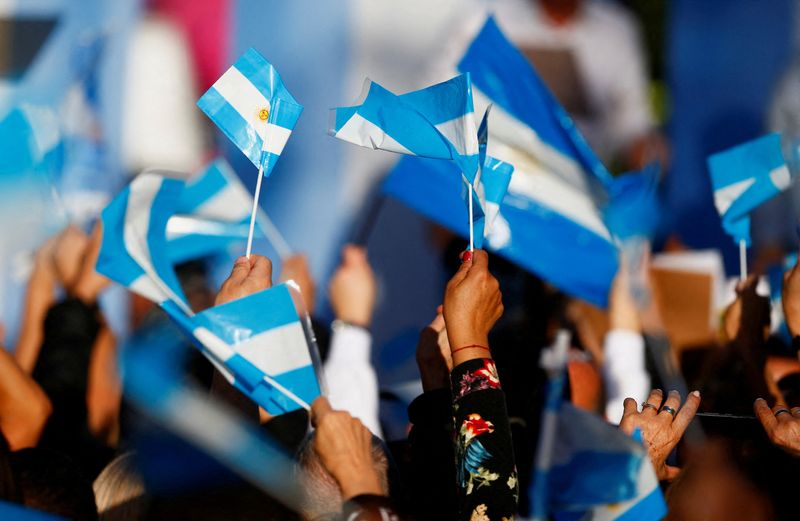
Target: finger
629	407
654	398
461	274
687	412
796	412
438	323
261	269
782	413
765	415
480	260
240	270
673	401
319	409
439	309
672	472
352	254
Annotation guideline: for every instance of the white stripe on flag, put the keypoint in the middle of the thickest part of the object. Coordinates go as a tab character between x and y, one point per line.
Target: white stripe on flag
454	131
275	138
145	287
781	177
360	131
244	97
508	130
230	204
725	196
277	350
535	182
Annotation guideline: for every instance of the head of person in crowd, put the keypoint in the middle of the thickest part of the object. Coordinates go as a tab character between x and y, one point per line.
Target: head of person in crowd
340	461
119	490
51	482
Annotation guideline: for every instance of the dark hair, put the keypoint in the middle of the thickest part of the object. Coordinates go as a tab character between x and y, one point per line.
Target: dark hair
51	482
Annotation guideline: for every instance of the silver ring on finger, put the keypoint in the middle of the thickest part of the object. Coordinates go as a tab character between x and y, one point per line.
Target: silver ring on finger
781	411
795	411
646	405
668	409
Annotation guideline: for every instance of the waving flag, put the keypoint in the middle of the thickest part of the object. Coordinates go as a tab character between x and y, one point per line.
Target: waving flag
585	467
550	220
743	178
134	250
252	106
436	122
261	343
633	206
212	214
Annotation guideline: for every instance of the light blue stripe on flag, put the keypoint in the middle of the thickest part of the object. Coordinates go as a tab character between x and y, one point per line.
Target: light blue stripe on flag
253	108
744	177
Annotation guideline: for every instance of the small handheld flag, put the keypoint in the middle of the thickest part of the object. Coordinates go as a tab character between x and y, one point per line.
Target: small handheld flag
435	122
261	343
743	178
255	110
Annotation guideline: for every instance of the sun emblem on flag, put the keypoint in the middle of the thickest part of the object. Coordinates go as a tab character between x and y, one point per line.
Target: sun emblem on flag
263	114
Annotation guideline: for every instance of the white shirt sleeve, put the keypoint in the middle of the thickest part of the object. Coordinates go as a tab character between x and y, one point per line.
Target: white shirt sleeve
352	382
624	372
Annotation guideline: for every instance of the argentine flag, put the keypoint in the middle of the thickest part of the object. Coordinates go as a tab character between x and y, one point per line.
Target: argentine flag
743	178
550	220
262	343
252	106
213	213
437	122
587	469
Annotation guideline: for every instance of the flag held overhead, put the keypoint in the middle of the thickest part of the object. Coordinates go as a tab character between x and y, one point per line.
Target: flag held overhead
253	108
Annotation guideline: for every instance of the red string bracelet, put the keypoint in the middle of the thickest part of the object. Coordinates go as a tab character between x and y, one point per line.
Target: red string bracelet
471	346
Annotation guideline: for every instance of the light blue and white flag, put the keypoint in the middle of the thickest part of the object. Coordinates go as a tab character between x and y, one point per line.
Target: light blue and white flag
265	342
436	122
587	469
550	220
253	108
743	178
134	251
262	343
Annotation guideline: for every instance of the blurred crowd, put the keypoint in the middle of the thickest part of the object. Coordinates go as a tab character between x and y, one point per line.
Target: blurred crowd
720	422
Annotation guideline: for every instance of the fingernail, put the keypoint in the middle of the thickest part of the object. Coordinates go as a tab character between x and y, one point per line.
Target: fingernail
466	256
659	391
760	400
241	260
696	393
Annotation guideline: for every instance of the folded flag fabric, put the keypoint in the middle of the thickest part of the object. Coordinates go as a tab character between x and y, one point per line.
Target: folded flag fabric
633	206
745	177
436	122
253	108
550	219
261	343
134	251
587	469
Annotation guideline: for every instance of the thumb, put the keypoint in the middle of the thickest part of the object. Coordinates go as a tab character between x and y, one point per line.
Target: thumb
240	270
319	409
671	472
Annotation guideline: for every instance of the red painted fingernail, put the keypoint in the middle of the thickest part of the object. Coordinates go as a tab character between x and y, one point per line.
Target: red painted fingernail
466	256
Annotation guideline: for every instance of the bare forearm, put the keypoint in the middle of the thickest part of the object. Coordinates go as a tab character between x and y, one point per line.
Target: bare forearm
40	297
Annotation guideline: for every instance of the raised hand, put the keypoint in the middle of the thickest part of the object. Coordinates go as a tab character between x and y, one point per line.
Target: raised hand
344	447
352	288
433	355
247	277
662	425
781	424
296	268
70	252
472	305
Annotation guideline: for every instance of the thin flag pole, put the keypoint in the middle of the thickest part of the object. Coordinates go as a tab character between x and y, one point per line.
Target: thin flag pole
742	259
255	210
471	233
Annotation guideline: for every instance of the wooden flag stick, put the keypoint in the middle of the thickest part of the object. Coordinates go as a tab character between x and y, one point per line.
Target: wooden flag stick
255	209
471	234
742	260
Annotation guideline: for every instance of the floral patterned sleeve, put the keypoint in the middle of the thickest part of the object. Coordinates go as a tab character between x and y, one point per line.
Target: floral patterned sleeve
487	476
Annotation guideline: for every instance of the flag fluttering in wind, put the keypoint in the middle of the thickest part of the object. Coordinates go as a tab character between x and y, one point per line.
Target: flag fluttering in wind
255	110
261	343
212	214
437	122
554	202
743	178
585	467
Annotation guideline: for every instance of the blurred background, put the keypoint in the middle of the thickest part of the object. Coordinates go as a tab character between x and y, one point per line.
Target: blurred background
109	88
